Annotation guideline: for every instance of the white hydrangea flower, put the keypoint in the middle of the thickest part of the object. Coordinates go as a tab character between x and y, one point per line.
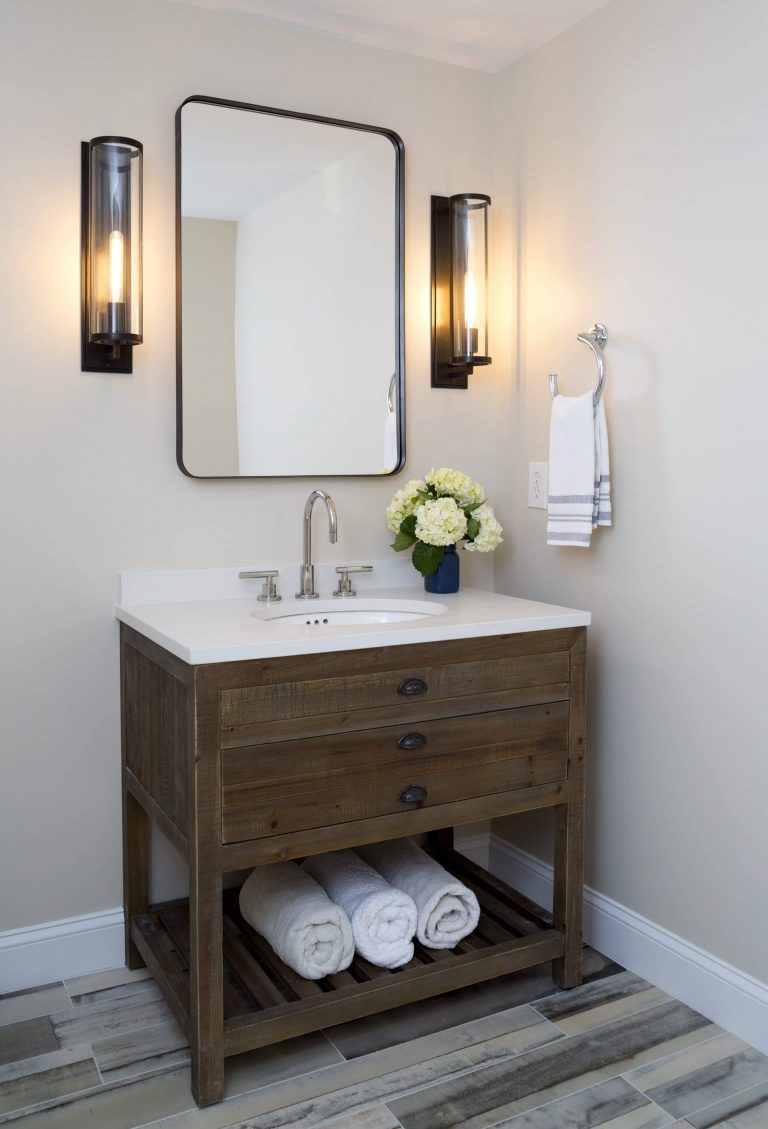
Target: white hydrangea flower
489	534
404	503
456	484
439	521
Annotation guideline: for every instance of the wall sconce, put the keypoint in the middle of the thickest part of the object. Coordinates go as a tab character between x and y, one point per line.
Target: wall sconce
459	287
110	262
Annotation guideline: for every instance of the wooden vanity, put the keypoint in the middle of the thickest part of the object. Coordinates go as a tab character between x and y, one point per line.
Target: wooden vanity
244	763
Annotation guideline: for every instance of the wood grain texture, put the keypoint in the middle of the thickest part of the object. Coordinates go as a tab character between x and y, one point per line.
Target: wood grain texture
297	844
454	741
569	830
250	814
205	887
276	701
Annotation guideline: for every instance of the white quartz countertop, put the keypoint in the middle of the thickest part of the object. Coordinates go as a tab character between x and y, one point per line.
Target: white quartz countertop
232	628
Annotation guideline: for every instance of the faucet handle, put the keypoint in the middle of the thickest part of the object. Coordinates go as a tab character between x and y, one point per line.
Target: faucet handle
269	587
345	584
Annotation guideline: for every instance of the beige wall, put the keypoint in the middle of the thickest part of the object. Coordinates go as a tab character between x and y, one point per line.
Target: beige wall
208	346
632	188
89	481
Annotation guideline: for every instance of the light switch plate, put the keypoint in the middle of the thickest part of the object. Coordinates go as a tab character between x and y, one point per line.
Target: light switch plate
537	486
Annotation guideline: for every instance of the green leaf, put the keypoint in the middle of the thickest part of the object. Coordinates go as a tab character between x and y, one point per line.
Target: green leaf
426	558
408	525
474	506
473	528
403	541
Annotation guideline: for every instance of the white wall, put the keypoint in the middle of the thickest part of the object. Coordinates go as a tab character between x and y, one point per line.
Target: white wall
315	340
89	481
632	188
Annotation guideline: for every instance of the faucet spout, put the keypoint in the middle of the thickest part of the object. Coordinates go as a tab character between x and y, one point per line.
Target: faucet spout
307	570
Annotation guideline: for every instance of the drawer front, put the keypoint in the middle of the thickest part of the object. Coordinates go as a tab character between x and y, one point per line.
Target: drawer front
289	710
277	788
315	759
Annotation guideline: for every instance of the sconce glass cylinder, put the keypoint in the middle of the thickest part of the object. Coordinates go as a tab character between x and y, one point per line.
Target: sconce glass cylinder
469	278
114	241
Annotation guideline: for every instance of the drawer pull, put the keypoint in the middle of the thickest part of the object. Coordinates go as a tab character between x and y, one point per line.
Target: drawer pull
413	794
412	741
412	686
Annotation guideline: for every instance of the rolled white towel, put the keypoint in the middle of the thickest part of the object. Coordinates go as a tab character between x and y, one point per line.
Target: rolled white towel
447	909
293	912
383	918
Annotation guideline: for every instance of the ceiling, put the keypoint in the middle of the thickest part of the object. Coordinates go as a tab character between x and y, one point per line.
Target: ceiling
484	34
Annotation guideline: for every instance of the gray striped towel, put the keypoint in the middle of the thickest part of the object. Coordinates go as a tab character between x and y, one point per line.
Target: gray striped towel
579	471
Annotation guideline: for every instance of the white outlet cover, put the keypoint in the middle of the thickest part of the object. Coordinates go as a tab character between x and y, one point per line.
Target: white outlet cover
537	486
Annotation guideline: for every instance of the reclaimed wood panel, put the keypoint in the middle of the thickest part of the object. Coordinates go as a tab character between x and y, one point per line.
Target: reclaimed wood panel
276	702
455	739
360	800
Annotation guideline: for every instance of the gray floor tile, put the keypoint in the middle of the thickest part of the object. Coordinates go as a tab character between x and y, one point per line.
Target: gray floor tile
487	1096
47	1077
564	1004
362	1082
99	1019
17	1006
109	978
600	1002
746	1104
697	1078
26	1039
613	1104
378	1118
141	1051
386	1078
126	1106
144	987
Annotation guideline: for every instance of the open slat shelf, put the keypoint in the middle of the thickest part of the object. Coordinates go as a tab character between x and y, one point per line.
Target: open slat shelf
266	1002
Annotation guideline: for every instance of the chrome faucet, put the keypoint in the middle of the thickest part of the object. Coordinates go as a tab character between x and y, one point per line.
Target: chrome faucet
307	570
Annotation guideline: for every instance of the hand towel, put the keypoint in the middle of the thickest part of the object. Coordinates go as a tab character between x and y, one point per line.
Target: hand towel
383	919
293	912
602	510
579	474
448	910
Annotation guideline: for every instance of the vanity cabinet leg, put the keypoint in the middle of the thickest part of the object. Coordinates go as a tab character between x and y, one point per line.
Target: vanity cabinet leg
206	985
206	947
569	879
569	831
135	870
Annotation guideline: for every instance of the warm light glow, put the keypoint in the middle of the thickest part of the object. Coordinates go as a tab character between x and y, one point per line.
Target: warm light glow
470	301
116	266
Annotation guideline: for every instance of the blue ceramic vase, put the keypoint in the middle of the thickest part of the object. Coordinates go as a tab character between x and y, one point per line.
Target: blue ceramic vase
445	578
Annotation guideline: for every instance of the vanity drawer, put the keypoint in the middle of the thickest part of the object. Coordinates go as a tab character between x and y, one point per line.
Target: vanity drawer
453	739
290	786
279	711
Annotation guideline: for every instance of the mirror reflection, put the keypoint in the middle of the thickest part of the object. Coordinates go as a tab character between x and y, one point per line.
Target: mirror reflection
290	343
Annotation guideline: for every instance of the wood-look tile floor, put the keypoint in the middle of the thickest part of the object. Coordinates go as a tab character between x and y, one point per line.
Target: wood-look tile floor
103	1052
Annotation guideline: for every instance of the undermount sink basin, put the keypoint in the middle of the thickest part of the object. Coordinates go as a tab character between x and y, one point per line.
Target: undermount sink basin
339	613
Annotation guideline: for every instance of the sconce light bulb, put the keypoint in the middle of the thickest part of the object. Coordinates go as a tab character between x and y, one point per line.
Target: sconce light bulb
470	300
116	266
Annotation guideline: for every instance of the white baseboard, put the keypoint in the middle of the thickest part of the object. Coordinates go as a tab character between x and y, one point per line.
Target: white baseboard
59	950
723	993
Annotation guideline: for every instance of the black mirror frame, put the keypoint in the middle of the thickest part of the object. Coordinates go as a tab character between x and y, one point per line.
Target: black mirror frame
397	143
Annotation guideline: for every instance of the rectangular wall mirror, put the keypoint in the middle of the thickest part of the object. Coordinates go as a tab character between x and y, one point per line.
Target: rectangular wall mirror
289	294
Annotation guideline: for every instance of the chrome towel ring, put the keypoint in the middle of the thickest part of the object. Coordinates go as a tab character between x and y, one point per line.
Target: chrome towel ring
596	339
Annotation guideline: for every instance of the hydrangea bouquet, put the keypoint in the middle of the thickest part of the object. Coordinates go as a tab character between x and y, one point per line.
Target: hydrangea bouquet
439	510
